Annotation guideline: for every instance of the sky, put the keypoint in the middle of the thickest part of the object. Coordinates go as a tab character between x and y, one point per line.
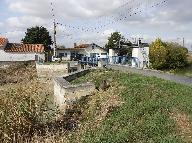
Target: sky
88	21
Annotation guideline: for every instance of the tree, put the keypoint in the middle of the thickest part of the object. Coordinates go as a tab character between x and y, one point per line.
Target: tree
167	55
177	55
157	54
113	40
117	42
38	35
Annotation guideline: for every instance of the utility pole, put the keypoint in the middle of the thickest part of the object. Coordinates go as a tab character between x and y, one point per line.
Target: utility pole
183	42
54	32
55	43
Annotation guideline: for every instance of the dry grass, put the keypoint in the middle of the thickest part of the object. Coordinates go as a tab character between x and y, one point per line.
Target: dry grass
26	109
184	125
24	102
17	73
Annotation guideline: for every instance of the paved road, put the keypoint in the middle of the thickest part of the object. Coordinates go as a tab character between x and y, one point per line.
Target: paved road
178	79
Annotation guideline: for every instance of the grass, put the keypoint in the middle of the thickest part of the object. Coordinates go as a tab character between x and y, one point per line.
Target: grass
134	109
146	112
24	103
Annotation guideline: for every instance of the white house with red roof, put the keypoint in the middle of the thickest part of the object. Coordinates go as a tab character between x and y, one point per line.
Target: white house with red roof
18	52
88	50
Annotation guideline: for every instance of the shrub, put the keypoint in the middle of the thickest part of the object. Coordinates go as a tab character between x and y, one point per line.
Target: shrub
167	55
177	56
158	53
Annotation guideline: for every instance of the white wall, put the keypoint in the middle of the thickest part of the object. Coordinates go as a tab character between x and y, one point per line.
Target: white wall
8	57
137	53
90	49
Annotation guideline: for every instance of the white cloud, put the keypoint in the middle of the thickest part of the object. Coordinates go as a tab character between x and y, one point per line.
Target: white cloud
1	24
24	21
173	19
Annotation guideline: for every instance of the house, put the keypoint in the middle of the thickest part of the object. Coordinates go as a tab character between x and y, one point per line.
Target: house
20	52
88	50
140	55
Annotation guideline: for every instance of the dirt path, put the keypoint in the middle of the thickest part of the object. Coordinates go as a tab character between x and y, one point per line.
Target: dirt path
178	79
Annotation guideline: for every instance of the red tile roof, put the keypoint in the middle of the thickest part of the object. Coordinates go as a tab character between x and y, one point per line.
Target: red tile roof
70	49
83	46
3	41
24	48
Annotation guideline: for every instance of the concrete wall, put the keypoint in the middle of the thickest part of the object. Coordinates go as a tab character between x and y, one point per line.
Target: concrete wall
52	70
66	93
9	57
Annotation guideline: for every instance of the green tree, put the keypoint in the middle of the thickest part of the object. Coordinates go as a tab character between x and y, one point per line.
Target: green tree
117	41
38	35
113	40
177	55
167	55
158	54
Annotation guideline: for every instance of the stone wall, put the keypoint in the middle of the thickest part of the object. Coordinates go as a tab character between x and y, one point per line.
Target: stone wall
66	93
52	70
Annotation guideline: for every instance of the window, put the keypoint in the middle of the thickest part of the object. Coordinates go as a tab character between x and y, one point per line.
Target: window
94	55
103	54
36	58
62	55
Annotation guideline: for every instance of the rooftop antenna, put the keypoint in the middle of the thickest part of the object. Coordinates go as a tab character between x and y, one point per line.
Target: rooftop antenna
54	32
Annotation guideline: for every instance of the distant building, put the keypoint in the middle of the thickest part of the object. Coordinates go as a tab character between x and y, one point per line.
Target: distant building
88	50
140	55
20	52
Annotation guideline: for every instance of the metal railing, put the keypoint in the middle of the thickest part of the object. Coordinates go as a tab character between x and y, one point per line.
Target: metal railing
121	60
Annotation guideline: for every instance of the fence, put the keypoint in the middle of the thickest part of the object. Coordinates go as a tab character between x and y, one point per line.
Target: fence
122	60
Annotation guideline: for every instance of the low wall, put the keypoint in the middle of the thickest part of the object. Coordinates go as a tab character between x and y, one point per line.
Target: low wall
52	70
66	93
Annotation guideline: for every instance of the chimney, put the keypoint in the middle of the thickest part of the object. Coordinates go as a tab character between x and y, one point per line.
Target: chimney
75	45
139	42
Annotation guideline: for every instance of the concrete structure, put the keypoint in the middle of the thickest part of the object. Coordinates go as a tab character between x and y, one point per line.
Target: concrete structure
52	70
88	50
66	93
112	53
12	52
140	55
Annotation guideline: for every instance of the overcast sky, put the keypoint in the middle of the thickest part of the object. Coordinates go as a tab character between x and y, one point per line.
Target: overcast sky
87	21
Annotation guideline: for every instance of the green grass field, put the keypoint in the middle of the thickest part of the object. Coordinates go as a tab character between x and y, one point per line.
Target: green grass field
151	110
